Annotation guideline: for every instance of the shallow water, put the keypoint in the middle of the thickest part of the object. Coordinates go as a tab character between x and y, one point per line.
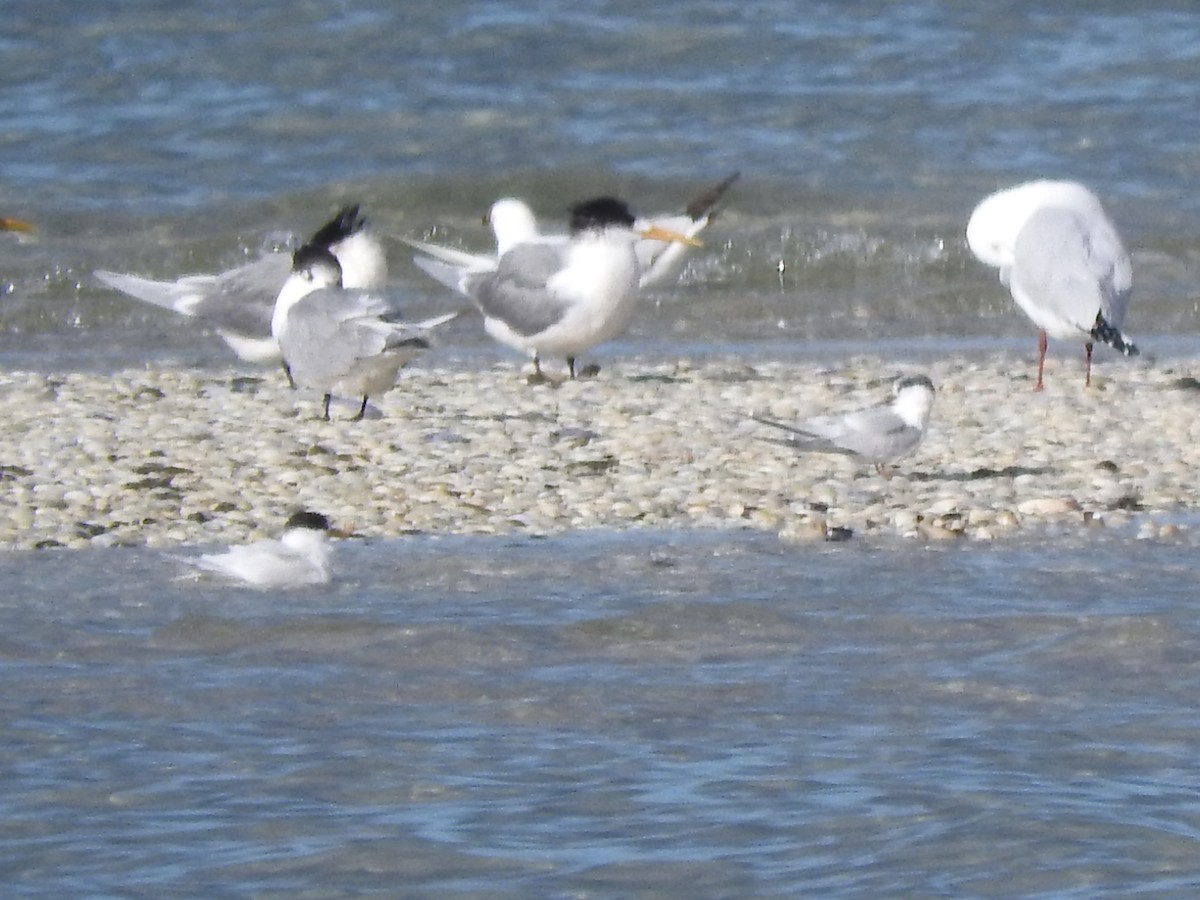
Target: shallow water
606	714
147	137
601	714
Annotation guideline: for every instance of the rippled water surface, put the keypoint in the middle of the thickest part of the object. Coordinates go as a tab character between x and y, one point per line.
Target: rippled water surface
600	715
606	715
162	139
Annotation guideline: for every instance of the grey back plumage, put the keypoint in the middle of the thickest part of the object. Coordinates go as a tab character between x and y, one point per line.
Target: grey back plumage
240	300
516	293
1072	267
332	329
876	434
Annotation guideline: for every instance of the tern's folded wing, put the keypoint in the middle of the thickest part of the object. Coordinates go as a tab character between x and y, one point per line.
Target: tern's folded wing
516	292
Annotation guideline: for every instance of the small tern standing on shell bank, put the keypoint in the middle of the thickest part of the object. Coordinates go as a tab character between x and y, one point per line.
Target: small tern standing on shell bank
880	434
340	341
1061	258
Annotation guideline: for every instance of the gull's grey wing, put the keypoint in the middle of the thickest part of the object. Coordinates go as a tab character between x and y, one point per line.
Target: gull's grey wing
516	292
240	300
1074	266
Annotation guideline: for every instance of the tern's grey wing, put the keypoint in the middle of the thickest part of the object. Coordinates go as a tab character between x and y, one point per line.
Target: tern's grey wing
454	275
516	292
453	256
1074	266
240	300
330	330
802	439
876	434
244	298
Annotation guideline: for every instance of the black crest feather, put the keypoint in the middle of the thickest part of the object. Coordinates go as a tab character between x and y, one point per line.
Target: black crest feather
308	519
346	223
600	212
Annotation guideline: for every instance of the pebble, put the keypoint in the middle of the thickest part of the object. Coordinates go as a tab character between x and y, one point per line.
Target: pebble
168	456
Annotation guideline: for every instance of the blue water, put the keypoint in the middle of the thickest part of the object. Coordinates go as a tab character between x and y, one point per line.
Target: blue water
161	139
607	715
600	715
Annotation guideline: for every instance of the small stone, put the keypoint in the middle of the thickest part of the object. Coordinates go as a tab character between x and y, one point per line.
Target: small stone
1048	507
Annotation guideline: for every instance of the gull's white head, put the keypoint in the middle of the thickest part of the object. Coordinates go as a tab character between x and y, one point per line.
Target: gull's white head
913	400
512	222
994	225
313	268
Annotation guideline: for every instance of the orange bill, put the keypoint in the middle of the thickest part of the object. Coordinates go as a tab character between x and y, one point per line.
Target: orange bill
14	225
654	233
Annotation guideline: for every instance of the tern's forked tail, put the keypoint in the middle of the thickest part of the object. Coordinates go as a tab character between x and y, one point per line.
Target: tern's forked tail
1107	334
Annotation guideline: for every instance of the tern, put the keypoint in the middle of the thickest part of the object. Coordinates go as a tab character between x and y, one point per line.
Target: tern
880	435
239	303
549	297
302	556
1062	260
513	223
341	341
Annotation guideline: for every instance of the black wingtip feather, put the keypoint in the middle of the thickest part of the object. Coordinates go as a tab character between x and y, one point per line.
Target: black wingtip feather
1107	334
703	205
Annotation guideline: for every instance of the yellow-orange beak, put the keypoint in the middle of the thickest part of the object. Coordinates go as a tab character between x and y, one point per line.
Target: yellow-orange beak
15	225
654	233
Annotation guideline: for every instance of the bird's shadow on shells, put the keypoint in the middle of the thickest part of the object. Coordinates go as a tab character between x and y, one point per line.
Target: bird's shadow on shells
980	474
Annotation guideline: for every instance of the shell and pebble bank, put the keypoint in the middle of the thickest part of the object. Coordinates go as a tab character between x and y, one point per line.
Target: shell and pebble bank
171	456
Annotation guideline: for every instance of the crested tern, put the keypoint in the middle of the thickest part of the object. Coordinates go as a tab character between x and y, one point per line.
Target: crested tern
513	222
239	303
549	297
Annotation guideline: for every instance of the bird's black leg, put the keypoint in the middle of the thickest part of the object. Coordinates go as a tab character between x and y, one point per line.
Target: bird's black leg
571	365
362	410
328	398
1087	355
287	370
